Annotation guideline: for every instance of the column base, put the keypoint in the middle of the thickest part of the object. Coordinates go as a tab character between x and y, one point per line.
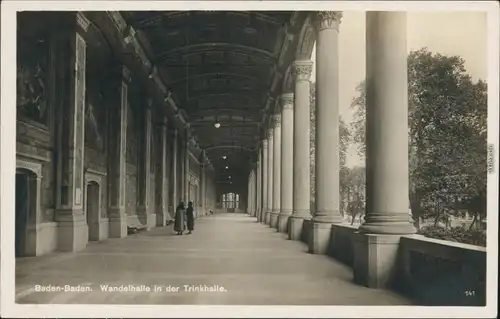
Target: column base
161	219
375	259
72	231
273	221
296	227
283	221
145	218
118	227
321	238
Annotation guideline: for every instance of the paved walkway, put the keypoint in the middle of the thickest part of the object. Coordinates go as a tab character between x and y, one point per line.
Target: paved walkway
254	264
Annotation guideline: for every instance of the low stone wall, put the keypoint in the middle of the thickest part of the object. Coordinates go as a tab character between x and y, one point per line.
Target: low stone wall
439	272
342	243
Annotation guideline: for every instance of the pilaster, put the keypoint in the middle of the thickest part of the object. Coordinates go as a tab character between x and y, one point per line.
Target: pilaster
72	227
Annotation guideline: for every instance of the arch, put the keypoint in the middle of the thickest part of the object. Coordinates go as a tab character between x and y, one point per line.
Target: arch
27	207
288	80
306	40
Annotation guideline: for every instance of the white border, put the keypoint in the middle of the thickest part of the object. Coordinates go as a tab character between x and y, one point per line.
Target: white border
7	165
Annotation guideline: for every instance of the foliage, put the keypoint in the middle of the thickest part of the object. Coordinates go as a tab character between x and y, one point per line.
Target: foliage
447	119
457	234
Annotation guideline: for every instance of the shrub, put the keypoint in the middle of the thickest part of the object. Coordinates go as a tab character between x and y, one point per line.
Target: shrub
456	234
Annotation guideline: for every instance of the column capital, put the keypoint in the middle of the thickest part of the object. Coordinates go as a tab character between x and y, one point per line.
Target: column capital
126	74
82	21
302	70
277	120
270	133
327	20
286	101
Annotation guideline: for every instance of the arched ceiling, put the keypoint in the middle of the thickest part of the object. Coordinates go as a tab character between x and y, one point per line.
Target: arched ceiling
221	66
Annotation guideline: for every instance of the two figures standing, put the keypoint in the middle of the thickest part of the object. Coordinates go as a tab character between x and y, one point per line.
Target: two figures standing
184	217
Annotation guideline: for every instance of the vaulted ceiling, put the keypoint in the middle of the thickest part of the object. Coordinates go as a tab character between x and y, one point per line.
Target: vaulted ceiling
220	67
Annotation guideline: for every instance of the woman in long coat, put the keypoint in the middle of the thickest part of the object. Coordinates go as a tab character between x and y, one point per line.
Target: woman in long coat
190	217
180	219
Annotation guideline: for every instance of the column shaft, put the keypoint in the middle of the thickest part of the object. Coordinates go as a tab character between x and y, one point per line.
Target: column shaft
186	170
276	171
327	119
270	150
175	184
301	149
286	200
259	192
301	140
387	189
376	245
117	166
162	214
264	180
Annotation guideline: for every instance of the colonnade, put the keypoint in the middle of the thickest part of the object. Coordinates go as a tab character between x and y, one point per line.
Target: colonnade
280	181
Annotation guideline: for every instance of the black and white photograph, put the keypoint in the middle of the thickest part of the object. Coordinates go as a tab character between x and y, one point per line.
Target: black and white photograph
207	159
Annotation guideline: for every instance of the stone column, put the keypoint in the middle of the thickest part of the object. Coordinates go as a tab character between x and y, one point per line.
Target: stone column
259	191
186	169
203	189
175	183
162	214
264	181
273	223
144	207
249	182
270	174
286	205
327	149
387	189
301	149
72	226
117	166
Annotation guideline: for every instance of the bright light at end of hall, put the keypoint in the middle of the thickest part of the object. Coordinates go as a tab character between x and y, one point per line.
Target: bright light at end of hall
229	177
227	167
217	125
224	157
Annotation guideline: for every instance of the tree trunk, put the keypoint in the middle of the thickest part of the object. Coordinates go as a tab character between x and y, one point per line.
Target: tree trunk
473	221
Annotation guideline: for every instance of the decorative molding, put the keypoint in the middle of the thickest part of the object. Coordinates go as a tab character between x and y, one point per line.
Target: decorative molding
270	133
82	21
286	101
277	120
327	20
286	43
95	172
302	70
35	168
118	20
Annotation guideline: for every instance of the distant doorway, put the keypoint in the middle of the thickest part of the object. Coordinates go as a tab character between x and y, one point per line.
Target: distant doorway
24	207
92	204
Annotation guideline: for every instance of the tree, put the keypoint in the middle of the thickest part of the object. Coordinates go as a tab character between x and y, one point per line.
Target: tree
447	115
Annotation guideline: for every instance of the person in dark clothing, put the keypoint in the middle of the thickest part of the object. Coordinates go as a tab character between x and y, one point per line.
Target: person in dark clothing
190	217
180	219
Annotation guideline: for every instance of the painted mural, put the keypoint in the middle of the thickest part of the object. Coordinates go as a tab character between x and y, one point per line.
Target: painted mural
32	70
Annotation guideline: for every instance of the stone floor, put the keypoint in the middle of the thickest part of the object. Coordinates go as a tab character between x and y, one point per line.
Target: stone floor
254	264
